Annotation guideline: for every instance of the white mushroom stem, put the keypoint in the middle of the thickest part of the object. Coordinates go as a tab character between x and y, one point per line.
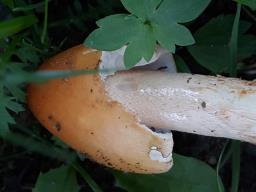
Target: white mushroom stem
205	105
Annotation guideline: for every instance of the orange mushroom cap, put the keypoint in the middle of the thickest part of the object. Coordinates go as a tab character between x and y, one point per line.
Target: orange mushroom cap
79	111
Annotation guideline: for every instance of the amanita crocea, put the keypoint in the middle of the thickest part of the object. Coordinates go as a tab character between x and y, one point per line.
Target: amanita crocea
108	117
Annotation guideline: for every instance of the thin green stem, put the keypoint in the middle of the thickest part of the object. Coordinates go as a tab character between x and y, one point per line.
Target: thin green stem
43	36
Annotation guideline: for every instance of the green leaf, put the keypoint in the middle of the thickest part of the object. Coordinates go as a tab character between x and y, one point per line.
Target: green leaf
27	54
170	34
250	3
114	32
181	11
16	25
141	46
14	106
212	48
16	91
141	8
161	36
150	21
62	179
5	117
187	175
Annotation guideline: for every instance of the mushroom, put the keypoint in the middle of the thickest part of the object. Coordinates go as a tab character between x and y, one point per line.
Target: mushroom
108	117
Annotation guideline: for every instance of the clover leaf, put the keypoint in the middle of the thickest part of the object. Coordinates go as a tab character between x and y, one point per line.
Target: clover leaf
113	32
143	8
150	22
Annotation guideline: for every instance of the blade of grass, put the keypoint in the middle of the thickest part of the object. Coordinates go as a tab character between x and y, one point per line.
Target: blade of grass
42	76
226	156
233	43
220	186
44	32
236	148
236	145
13	26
